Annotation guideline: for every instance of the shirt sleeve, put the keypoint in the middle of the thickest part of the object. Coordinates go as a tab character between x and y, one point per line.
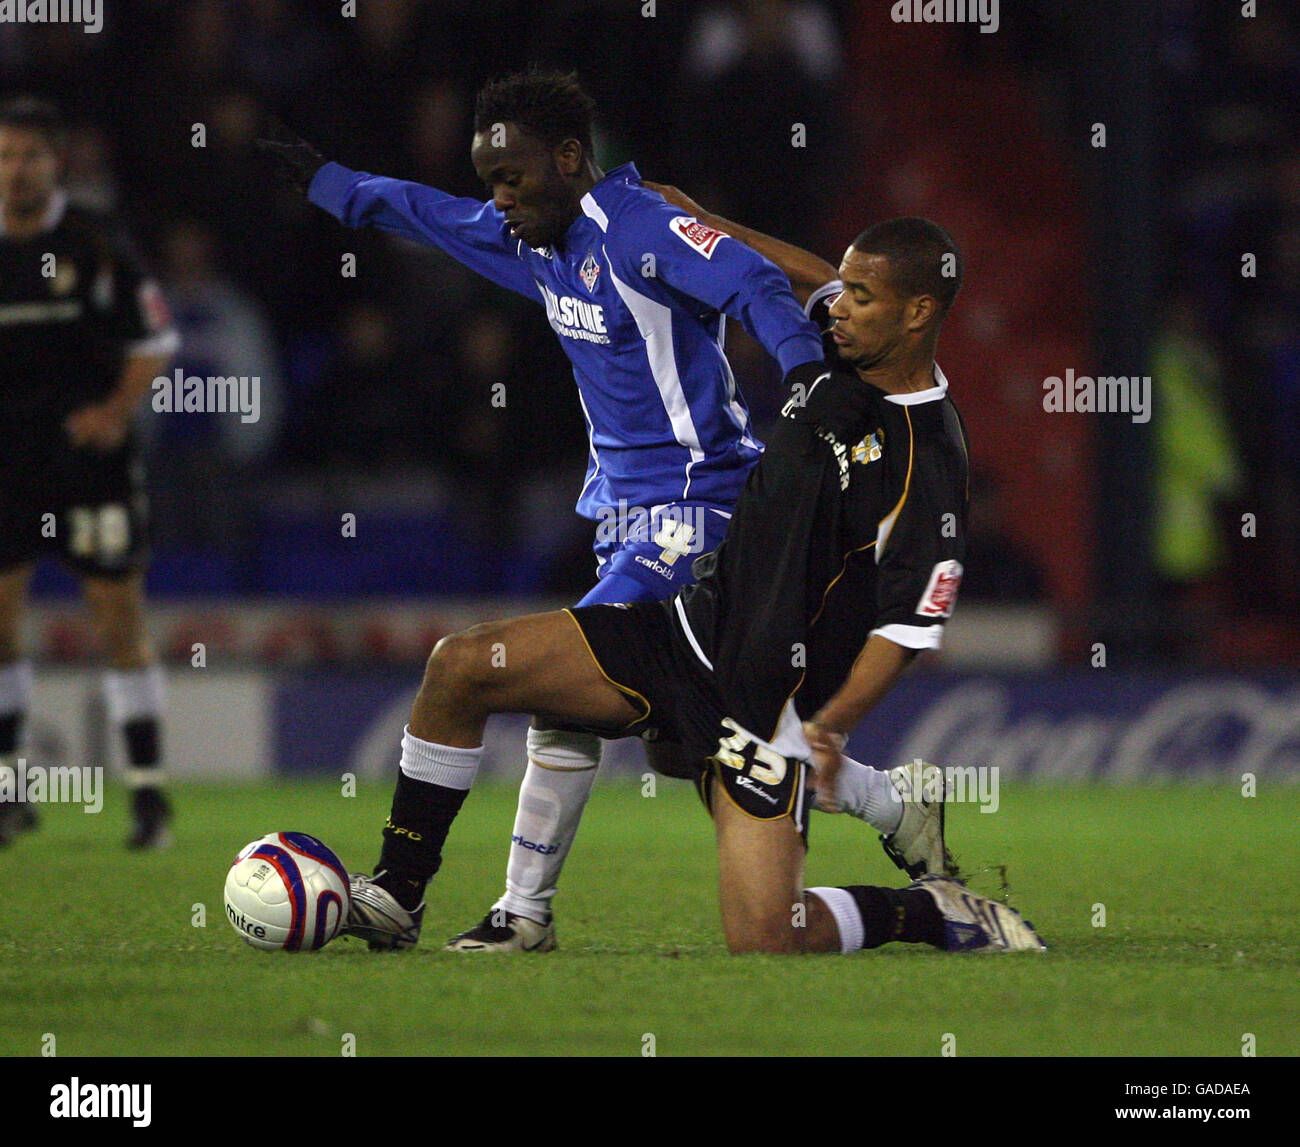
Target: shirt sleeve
919	551
818	306
469	230
657	240
138	314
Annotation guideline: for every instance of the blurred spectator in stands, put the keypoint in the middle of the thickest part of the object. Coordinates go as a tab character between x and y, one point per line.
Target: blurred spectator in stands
283	54
438	143
361	414
997	569
88	170
473	418
373	93
759	78
201	464
1195	464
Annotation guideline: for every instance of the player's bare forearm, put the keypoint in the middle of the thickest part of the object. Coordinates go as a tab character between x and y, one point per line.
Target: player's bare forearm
878	666
103	425
138	373
805	270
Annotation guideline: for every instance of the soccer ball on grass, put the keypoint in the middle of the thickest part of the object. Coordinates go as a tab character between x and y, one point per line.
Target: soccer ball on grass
288	891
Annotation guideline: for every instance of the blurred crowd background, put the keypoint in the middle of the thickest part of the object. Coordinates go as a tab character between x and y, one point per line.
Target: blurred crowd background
376	388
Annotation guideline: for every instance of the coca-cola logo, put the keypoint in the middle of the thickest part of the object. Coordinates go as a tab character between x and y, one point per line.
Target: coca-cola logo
1206	727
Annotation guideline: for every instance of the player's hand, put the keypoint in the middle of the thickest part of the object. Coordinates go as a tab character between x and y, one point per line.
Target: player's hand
676	197
827	758
296	161
100	426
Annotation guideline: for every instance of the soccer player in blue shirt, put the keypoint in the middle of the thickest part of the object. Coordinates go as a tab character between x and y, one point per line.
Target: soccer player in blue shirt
638	294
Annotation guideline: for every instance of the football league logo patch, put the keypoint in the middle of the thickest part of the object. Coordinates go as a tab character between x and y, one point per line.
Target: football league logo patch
695	234
590	271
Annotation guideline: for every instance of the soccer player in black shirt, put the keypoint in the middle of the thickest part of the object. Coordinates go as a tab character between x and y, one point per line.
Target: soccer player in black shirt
83	332
842	560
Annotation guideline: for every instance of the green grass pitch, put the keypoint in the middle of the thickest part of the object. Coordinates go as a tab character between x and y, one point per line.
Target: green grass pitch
99	947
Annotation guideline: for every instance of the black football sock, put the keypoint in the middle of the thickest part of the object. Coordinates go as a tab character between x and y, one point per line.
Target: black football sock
11	730
414	834
143	742
143	739
909	915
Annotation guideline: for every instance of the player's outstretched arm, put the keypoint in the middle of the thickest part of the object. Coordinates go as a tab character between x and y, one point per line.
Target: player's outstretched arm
805	270
469	230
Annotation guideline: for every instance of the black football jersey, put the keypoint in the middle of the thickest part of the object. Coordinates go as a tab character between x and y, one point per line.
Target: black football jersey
73	299
854	522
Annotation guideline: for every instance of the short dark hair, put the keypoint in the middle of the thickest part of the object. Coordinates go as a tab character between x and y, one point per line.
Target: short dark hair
923	259
34	115
551	106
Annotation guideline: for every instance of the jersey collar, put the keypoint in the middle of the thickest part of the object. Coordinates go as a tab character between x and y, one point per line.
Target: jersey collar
916	397
591	207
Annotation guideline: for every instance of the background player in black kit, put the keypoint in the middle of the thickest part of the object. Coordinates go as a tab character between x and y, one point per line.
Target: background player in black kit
845	545
83	332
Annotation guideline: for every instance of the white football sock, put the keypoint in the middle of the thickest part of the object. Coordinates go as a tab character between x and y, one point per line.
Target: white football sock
848	916
16	687
561	771
869	795
15	699
445	765
137	695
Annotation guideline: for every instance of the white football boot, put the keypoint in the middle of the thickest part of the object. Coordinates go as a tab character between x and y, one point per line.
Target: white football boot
374	915
502	931
917	844
975	923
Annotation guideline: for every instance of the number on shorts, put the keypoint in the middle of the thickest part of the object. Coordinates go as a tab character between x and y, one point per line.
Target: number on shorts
767	766
102	532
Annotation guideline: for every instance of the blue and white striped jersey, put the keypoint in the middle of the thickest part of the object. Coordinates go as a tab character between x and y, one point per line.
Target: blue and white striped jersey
637	296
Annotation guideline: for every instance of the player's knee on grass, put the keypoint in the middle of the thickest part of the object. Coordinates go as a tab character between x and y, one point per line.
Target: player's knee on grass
760	880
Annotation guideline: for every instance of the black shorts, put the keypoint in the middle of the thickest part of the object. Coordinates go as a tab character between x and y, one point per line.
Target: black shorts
85	505
644	652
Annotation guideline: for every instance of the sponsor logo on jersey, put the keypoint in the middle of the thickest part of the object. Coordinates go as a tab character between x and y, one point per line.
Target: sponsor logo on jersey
575	318
941	593
869	449
695	234
590	271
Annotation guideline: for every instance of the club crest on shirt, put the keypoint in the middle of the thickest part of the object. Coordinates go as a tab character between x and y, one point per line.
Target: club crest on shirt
870	448
590	271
